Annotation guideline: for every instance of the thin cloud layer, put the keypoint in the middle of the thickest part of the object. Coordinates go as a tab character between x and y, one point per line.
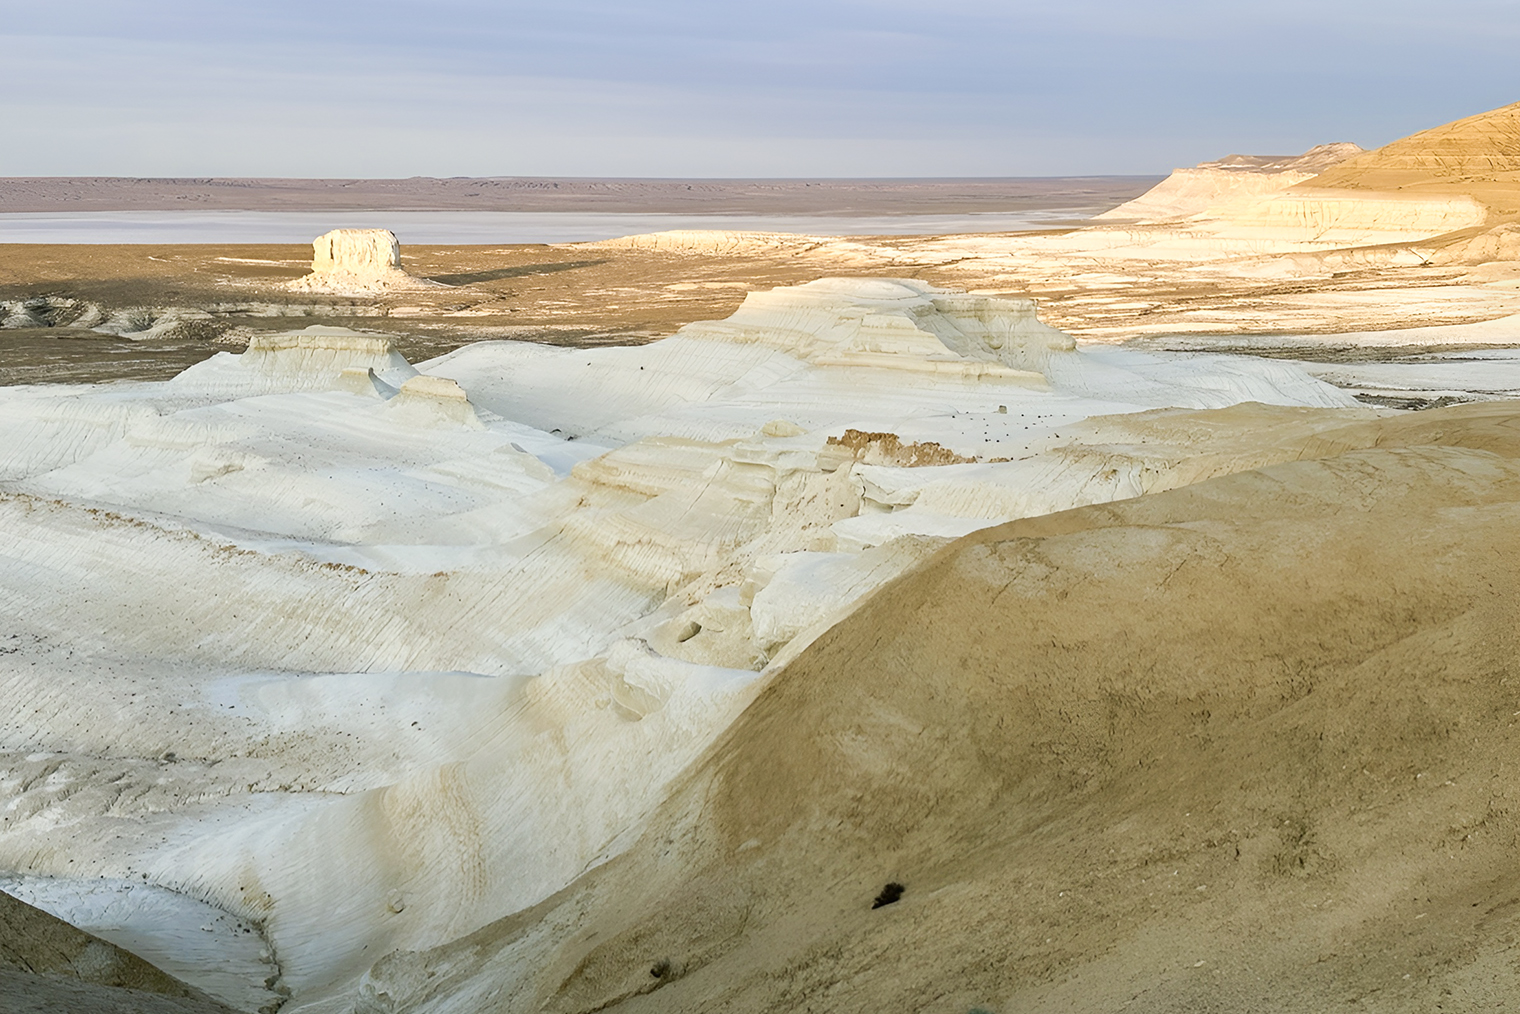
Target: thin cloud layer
686	88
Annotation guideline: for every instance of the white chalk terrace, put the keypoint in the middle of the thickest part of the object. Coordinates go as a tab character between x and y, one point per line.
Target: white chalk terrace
342	654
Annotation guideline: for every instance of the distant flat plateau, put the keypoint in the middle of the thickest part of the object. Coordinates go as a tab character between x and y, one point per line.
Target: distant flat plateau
1082	195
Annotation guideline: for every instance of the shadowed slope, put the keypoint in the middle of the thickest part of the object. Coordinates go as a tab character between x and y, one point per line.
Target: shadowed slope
1245	745
48	966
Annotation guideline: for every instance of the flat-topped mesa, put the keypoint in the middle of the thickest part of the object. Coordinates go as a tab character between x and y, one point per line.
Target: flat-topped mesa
313	359
357	260
435	401
709	242
321	352
895	323
356	251
1196	189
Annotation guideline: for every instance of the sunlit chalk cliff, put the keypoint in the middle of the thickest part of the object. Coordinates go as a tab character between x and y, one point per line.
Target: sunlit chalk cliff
369	655
1196	189
1448	195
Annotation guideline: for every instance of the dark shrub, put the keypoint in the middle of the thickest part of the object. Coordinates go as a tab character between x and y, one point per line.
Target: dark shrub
888	895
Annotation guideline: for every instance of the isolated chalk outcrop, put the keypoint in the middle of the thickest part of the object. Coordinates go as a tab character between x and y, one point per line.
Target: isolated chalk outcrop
314	358
357	261
435	401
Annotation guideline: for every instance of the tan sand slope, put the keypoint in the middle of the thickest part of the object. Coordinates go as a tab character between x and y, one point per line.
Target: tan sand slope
1246	745
48	966
1478	155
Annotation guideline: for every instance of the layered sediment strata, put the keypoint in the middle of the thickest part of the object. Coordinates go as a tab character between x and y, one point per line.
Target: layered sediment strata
1473	154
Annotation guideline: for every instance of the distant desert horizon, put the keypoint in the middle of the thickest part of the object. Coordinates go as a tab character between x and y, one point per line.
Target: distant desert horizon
801	196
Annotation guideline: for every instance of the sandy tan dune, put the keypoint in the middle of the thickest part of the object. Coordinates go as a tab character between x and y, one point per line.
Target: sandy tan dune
1478	155
1245	745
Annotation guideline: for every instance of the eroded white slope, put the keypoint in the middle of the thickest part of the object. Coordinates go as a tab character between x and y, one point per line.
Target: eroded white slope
371	658
1234	178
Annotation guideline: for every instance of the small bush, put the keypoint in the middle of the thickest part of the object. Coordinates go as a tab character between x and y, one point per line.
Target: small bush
888	895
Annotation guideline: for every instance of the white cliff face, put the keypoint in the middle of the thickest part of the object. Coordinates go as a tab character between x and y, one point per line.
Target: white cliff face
356	261
356	251
1196	189
1245	205
370	656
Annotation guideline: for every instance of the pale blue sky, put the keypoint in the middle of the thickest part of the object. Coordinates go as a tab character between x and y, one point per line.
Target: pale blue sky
688	88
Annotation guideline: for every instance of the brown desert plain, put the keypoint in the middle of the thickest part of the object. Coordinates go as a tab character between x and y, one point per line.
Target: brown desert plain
1242	744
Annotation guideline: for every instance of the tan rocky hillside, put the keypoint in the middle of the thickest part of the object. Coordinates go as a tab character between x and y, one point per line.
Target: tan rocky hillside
50	967
1478	155
1244	745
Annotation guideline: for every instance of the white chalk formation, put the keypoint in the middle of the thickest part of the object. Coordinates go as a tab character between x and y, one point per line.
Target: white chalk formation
1196	189
357	262
369	657
436	401
896	324
1246	207
314	358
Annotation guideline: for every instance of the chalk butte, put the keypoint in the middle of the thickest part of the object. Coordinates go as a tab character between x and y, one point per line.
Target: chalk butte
318	357
357	261
1239	744
435	401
